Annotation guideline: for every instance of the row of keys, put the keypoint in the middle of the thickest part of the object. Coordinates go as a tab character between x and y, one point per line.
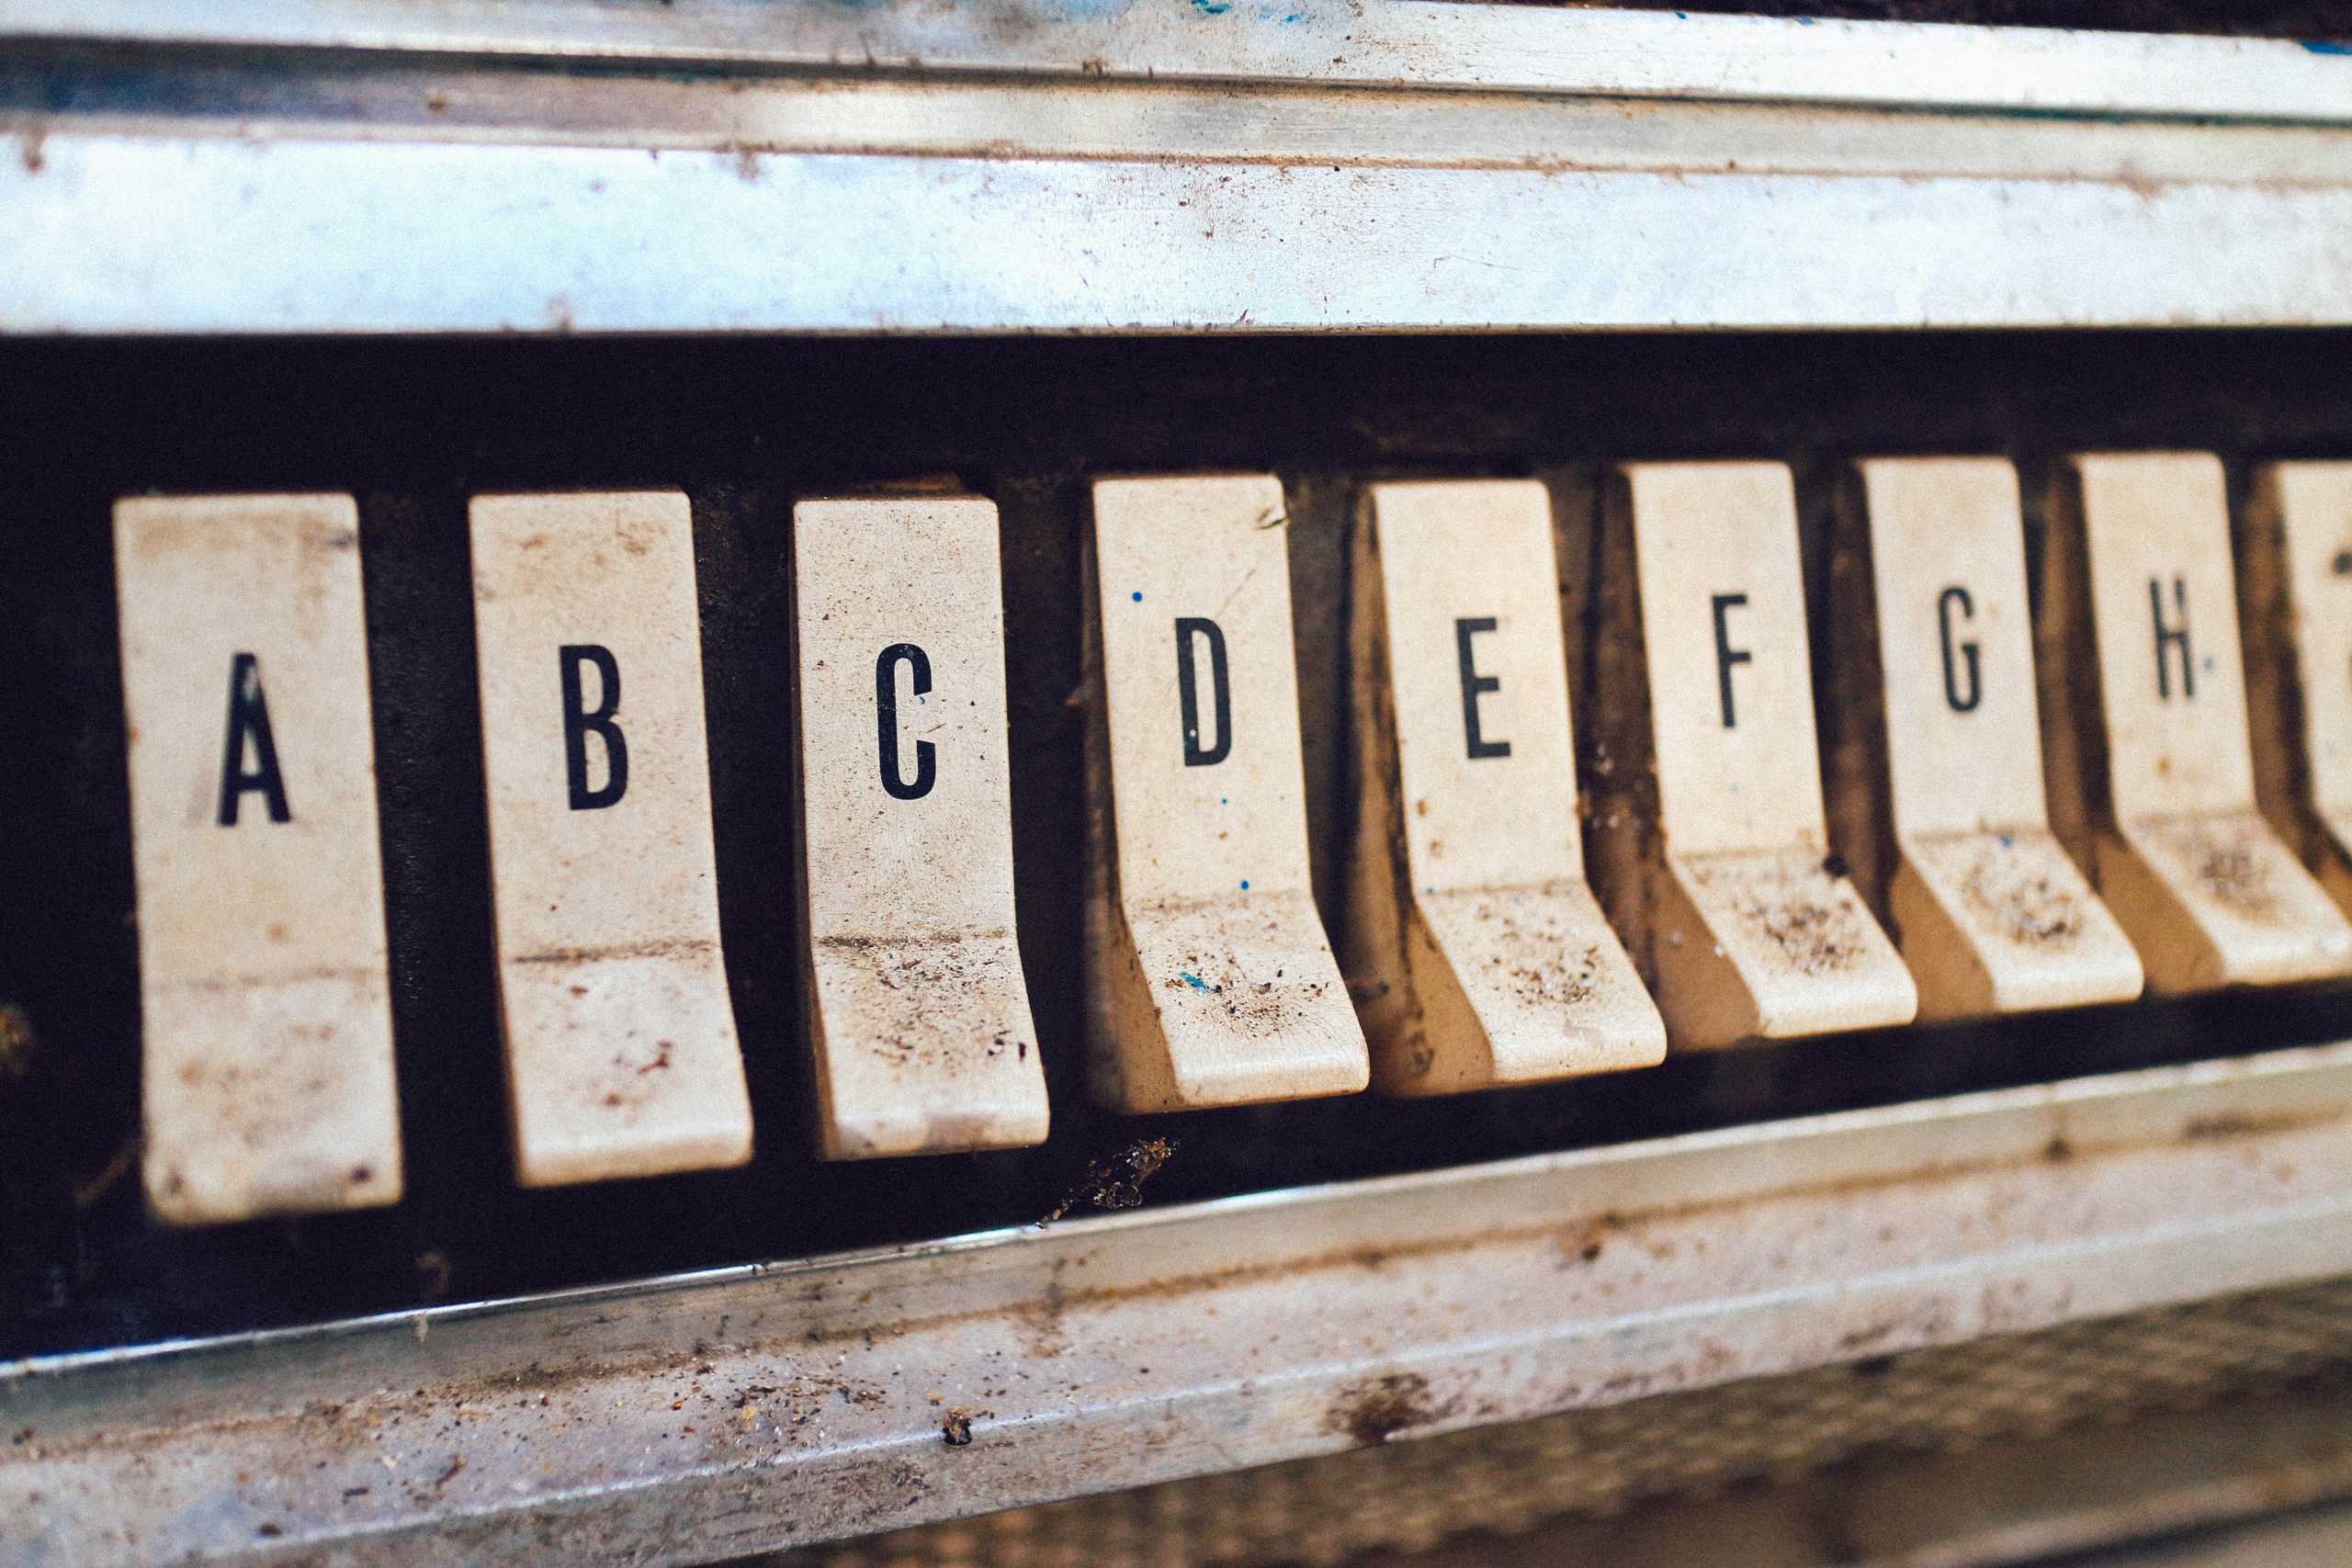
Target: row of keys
1478	949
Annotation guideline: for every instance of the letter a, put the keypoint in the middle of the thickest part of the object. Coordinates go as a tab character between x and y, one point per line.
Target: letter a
249	716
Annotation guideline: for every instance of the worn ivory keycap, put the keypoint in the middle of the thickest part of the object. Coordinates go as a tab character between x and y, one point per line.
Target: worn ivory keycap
620	1041
263	989
1476	954
1990	914
2152	769
1725	895
2298	568
918	1014
1210	980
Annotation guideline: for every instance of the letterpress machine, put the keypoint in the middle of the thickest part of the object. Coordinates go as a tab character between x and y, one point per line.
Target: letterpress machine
1119	780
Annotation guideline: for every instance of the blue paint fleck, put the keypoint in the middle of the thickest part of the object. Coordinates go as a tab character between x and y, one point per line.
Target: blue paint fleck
1198	984
1212	7
2326	46
1244	885
1136	596
1805	21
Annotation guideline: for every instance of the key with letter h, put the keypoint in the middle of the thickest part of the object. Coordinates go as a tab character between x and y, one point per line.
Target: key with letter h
2151	767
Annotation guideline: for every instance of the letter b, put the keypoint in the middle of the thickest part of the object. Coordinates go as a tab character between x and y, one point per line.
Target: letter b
579	721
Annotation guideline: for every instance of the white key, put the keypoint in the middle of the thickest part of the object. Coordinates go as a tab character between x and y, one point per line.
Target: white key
2301	554
264	985
2160	782
1210	977
1478	954
1990	914
1728	897
919	1016
620	1038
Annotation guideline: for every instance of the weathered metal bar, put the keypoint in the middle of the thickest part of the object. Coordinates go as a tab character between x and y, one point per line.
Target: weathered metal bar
130	234
1427	42
750	1408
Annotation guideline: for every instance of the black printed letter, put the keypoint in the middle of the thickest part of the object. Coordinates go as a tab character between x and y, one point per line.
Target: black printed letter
1473	685
1188	627
1944	603
249	716
1726	654
578	721
885	720
2167	637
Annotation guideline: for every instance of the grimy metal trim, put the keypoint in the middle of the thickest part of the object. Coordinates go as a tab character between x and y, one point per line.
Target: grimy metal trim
1522	48
126	232
747	1409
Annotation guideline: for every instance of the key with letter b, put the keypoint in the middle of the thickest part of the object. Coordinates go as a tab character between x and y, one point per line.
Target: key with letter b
620	1038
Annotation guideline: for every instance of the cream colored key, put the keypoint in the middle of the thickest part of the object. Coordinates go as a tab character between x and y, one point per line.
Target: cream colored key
2152	777
1210	978
1476	954
1990	914
1730	902
264	987
919	1017
2299	565
620	1041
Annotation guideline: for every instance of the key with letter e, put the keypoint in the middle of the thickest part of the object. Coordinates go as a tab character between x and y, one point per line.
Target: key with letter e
1478	954
1938	802
263	983
620	1038
2152	768
1210	980
1716	854
918	1014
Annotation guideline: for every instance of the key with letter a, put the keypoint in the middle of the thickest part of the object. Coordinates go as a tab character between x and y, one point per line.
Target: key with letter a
264	985
1939	805
1477	954
620	1038
1210	980
1716	853
2152	766
918	1014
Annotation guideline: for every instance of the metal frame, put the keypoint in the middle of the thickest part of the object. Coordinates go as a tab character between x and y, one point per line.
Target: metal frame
1427	43
798	165
744	1409
1091	166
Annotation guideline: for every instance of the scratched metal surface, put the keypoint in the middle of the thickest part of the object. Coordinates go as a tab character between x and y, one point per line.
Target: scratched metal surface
342	165
745	1410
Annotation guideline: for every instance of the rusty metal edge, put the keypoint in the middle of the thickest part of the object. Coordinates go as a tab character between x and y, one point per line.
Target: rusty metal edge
125	233
738	1410
1473	47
